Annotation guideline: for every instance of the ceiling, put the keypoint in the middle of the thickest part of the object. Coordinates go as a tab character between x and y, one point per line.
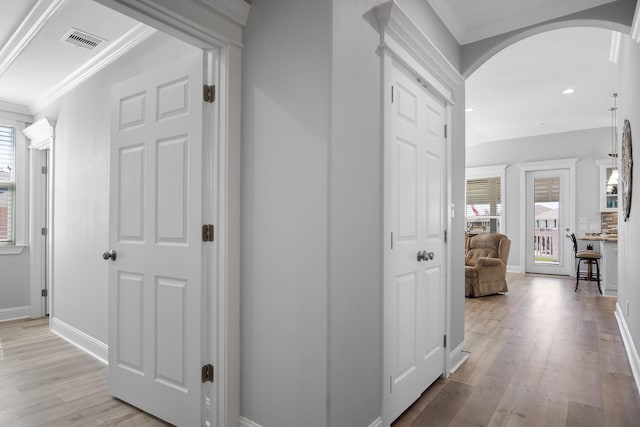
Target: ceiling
519	91
473	20
36	65
512	94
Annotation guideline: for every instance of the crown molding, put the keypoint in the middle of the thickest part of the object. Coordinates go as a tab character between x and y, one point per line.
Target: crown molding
35	20
635	27
16	112
41	133
236	10
115	50
400	33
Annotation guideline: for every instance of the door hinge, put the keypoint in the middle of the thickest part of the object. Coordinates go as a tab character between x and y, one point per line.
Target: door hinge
392	94
207	233
43	292
445	342
445	236
392	240
43	231
209	93
207	373
445	131
43	169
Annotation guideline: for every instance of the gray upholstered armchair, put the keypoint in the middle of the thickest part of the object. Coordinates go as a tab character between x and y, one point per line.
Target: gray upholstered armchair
486	264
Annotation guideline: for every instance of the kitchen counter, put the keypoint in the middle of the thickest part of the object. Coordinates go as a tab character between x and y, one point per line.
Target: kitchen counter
600	237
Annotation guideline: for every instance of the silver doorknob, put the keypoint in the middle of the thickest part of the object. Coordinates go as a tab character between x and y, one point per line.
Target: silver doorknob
422	256
430	255
109	255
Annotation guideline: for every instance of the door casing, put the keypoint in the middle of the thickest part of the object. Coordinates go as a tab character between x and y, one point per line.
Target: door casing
569	164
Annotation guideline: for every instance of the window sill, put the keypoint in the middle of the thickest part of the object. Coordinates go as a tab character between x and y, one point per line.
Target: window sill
11	250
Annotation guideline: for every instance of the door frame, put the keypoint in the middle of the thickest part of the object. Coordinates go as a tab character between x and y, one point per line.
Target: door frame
402	41
569	164
41	154
216	27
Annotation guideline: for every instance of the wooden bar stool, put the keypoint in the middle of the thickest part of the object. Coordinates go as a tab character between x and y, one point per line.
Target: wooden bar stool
589	256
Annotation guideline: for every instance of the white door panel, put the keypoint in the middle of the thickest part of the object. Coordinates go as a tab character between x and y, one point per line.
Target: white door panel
155	281
547	246
414	289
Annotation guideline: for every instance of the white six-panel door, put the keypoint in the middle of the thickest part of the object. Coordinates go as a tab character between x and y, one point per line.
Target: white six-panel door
414	288
155	230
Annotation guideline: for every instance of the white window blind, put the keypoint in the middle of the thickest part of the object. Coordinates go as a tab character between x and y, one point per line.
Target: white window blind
484	204
7	184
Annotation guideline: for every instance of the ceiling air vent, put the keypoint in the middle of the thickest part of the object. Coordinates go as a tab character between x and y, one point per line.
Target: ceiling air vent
82	39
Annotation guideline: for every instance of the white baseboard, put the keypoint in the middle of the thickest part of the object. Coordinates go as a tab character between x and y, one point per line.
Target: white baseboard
246	422
456	358
514	269
13	313
84	342
632	352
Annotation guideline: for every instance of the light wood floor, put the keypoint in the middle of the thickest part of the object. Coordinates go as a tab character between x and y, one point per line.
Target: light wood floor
45	381
541	355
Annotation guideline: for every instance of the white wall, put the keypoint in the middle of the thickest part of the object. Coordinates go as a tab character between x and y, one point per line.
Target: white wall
311	202
14	283
586	145
629	232
81	179
284	293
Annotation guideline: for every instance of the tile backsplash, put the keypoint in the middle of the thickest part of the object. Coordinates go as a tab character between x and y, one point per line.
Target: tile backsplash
609	223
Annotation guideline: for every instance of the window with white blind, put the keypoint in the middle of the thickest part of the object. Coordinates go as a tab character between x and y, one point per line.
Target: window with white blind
485	200
7	184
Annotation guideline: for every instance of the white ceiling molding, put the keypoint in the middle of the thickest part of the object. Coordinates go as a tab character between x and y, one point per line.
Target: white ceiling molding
236	10
115	50
186	19
466	28
41	133
35	20
635	27
18	113
614	53
400	33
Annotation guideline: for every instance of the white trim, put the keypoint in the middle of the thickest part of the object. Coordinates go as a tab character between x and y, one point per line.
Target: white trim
456	358
514	269
84	342
41	133
237	11
170	20
538	166
115	50
30	26
614	51
465	34
42	136
11	250
632	352
246	422
635	26
376	423
13	313
415	50
15	112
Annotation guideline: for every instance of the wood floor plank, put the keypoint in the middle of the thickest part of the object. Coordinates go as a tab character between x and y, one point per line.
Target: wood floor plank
45	381
541	355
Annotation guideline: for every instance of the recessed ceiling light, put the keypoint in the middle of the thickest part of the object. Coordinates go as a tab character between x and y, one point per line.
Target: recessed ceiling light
568	91
468	110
